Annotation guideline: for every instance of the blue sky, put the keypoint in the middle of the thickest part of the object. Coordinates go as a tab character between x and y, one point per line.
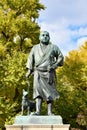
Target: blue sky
66	21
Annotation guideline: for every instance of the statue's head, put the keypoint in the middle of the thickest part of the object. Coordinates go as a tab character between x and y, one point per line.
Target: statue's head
44	37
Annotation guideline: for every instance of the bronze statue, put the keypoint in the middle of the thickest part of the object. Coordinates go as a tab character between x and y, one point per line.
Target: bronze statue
43	59
27	104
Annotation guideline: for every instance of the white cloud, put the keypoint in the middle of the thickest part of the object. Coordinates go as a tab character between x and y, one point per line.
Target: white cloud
75	11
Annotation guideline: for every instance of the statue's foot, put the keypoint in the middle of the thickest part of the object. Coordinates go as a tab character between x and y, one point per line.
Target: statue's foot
35	113
50	114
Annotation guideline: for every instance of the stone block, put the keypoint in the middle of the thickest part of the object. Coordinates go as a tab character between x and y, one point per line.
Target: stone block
37	127
38	120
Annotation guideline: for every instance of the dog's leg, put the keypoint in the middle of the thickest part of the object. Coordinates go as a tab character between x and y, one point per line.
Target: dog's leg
28	110
22	111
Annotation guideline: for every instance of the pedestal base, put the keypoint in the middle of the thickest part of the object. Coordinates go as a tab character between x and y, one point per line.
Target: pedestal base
37	127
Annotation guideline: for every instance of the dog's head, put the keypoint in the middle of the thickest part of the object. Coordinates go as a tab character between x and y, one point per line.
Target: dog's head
25	93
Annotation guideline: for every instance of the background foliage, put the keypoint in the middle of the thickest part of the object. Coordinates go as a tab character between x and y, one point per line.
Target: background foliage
72	85
19	31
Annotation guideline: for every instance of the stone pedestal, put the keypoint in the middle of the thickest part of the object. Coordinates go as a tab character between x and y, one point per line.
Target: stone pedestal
38	123
27	120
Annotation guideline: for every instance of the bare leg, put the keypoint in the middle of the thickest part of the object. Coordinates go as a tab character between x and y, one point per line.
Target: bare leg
50	104
38	106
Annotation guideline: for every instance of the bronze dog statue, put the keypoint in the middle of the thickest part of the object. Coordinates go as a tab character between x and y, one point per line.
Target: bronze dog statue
27	104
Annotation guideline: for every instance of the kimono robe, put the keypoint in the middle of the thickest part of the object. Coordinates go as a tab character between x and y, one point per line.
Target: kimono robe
39	60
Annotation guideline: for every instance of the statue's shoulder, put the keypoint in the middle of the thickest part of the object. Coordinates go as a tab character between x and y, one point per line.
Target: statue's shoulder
36	46
54	46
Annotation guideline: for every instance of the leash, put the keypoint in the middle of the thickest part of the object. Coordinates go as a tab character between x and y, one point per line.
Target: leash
27	80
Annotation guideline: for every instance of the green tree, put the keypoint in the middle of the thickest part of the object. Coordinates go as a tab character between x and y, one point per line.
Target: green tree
18	23
72	85
19	31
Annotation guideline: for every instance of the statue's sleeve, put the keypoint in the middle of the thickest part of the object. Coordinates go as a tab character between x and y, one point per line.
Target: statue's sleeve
59	58
30	61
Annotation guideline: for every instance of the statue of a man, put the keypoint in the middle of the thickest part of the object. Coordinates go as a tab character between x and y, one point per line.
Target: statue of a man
43	59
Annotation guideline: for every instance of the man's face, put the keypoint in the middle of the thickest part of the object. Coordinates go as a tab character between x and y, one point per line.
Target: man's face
44	37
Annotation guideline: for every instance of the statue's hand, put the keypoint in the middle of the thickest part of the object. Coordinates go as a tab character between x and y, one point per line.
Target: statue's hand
28	73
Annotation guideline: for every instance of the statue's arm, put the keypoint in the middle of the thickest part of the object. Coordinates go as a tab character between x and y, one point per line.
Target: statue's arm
30	63
59	58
